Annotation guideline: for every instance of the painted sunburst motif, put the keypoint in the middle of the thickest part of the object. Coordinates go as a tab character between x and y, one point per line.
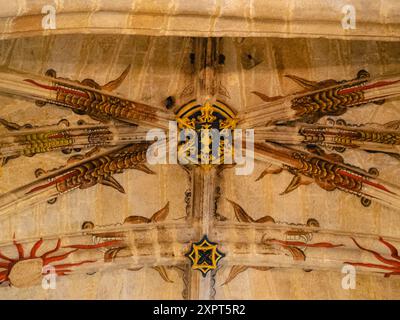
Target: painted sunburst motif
28	269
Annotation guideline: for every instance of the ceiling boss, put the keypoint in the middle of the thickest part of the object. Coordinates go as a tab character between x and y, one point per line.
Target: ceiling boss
213	124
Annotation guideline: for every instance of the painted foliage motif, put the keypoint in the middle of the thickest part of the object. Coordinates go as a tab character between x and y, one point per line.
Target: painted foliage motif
303	148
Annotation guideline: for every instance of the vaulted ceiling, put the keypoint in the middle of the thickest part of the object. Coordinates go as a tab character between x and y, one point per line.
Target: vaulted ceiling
324	192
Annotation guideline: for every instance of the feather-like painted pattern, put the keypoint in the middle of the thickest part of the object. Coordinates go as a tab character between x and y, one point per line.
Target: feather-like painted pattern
161	214
114	84
240	214
235	271
136	220
163	273
113	183
269	170
296	182
297	254
265	97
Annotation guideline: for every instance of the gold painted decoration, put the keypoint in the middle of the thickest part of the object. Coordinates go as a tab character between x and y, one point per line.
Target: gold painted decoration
337	135
208	115
203	118
204	255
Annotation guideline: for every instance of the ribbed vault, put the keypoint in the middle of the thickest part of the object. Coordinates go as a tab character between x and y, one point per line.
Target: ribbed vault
324	191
